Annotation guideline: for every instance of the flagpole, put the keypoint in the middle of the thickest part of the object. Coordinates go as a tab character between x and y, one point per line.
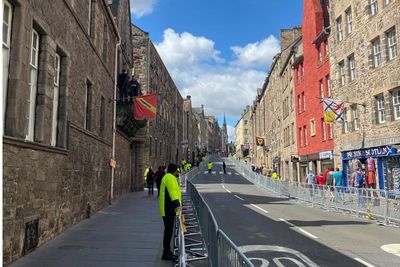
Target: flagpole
348	102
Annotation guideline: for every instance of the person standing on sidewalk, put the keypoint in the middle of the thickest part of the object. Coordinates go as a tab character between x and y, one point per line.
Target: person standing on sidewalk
150	181
170	204
209	166
338	182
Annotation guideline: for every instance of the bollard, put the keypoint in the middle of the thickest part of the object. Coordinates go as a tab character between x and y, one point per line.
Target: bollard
88	208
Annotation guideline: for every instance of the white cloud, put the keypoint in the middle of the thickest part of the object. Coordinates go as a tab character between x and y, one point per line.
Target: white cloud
182	49
140	8
256	55
199	71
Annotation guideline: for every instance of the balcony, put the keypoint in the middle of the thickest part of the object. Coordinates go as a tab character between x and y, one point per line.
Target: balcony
126	121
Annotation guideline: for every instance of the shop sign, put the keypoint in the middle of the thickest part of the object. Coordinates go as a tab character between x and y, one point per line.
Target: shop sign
383	151
325	154
303	158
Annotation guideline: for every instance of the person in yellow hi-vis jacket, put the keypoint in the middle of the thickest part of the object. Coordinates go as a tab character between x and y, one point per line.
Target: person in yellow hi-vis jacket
209	166
170	204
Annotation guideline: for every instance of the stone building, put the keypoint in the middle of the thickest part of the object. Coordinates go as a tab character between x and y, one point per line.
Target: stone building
365	71
202	129
164	135
243	132
224	137
58	106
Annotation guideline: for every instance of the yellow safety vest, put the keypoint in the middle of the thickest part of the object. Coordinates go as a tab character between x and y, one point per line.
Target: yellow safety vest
146	171
209	165
169	182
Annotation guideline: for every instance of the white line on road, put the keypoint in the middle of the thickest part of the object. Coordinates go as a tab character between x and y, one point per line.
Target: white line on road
227	190
221	172
298	228
229	173
236	173
255	206
214	172
364	262
239	197
205	172
223	186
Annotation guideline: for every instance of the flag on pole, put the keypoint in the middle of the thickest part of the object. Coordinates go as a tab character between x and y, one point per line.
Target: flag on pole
145	107
333	110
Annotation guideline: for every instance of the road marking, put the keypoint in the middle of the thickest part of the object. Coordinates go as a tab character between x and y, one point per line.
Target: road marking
227	190
237	174
277	249
214	172
364	262
229	173
239	197
221	172
392	248
223	186
205	172
298	228
257	207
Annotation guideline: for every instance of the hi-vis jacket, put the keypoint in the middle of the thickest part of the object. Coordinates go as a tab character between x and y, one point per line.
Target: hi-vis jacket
170	195
146	171
209	165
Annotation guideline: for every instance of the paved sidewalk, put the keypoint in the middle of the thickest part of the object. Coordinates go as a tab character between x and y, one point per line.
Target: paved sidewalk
128	233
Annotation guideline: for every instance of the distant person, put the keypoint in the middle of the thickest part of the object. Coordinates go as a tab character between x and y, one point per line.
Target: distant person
134	87
170	205
320	179
329	178
209	166
224	166
150	181
158	177
338	182
310	179
274	175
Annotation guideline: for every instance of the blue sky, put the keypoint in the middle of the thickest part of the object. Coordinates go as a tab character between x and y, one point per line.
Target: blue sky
219	52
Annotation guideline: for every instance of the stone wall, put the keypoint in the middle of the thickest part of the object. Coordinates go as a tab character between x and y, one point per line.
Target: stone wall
54	184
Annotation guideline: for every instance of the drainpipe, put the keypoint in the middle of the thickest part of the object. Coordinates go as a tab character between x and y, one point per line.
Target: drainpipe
114	117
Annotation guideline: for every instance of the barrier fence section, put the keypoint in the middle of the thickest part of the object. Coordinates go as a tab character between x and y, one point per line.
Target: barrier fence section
372	203
221	250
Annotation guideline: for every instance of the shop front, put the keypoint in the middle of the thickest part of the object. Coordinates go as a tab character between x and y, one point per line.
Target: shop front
380	165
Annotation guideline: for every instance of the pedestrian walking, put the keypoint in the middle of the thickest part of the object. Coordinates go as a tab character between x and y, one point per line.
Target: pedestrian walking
150	181
170	204
158	176
209	166
224	166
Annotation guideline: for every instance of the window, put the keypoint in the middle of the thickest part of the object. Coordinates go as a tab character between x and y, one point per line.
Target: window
245	122
319	54
304	101
246	131
302	71
56	97
301	137
387	2
339	28
328	86
374	7
291	100
7	19
88	106
305	136
330	126
323	129
293	134
105	41
321	88
396	104
356	118
376	46
312	127
102	115
91	17
33	75
345	122
299	103
391	44
352	67
349	18
342	75
380	102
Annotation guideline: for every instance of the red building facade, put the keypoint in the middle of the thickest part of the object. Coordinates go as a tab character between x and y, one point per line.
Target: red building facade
311	78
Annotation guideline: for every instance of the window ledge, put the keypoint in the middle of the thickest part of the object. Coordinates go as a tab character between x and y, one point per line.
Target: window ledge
32	145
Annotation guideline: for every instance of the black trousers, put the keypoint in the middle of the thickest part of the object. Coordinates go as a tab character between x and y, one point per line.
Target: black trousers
168	231
150	186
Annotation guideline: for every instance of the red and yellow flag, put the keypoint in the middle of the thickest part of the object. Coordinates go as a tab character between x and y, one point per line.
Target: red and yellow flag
145	107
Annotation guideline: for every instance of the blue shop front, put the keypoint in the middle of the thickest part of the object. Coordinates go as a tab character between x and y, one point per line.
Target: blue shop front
381	166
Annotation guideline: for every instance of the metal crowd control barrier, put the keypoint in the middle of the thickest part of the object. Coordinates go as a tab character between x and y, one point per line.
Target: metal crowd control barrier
221	251
371	203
